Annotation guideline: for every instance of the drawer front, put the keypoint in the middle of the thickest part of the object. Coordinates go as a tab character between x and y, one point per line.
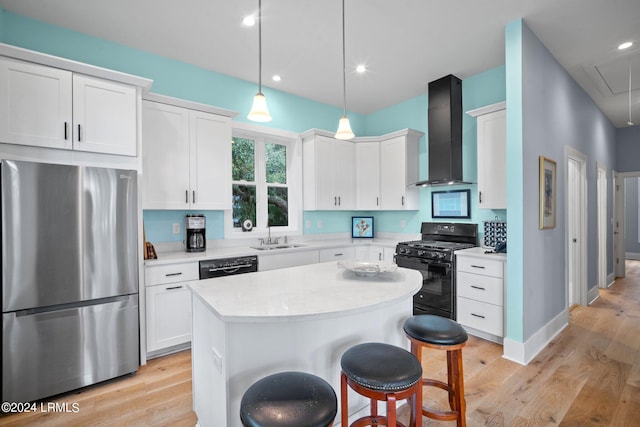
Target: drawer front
487	267
171	273
337	254
481	288
481	315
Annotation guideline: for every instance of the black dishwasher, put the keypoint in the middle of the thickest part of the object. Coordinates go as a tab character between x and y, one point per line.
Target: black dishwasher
228	266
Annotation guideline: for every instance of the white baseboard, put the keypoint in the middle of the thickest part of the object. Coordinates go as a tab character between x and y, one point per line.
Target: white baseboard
523	353
592	295
632	255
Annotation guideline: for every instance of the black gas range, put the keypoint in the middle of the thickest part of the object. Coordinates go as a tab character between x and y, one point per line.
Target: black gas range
434	257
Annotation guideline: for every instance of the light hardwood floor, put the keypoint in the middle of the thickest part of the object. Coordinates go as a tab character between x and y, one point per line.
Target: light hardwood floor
588	376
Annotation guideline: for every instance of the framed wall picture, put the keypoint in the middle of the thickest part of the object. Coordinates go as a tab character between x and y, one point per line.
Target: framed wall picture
548	178
362	227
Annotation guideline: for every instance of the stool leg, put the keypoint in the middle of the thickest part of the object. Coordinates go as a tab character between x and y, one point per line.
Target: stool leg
391	410
416	410
374	407
344	405
456	383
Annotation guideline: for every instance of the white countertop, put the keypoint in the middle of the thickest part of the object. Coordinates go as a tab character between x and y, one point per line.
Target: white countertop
171	257
300	293
482	252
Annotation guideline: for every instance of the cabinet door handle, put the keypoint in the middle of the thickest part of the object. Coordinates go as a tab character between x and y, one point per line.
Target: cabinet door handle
338	254
78	133
65	131
402	200
339	201
194	196
477	266
171	288
186	196
173	274
379	256
478	287
377	201
479	196
335	201
478	315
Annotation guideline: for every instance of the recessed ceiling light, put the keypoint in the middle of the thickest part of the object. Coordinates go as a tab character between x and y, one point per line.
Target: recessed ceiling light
625	45
361	68
276	78
249	21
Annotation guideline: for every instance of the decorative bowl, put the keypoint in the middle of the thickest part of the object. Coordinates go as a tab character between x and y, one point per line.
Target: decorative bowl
366	268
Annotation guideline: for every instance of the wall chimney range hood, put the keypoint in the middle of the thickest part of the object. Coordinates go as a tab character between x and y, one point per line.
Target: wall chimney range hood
445	132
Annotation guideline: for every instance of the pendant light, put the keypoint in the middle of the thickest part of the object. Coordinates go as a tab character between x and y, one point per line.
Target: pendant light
259	111
344	128
630	122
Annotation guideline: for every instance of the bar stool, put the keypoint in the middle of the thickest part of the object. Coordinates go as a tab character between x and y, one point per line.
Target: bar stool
440	333
289	399
381	372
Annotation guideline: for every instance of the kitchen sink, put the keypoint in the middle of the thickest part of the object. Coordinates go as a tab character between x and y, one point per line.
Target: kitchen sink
276	246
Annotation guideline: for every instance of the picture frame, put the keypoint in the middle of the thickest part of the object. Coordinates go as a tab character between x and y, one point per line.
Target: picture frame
362	227
548	178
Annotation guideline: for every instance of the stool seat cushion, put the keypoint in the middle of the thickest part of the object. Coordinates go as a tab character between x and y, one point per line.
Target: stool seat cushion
435	330
289	399
380	366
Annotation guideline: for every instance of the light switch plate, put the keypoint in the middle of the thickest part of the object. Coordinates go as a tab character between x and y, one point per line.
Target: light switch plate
176	228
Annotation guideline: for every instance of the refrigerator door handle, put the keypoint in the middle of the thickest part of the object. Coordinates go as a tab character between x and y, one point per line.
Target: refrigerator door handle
72	305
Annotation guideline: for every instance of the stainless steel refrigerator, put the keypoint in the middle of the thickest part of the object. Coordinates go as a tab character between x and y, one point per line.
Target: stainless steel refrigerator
69	277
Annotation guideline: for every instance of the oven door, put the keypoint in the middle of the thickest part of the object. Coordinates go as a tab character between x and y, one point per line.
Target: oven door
436	295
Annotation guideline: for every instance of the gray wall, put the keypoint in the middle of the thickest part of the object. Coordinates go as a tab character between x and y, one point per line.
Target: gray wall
631	237
628	149
556	112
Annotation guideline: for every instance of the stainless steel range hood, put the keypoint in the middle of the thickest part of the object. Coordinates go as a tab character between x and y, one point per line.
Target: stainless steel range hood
445	132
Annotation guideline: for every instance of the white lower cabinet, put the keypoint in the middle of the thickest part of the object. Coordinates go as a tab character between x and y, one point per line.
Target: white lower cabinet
287	259
336	254
168	305
480	294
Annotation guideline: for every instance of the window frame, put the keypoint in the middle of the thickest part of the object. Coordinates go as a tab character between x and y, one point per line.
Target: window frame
263	135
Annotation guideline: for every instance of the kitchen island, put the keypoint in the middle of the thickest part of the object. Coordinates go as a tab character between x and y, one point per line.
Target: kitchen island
301	318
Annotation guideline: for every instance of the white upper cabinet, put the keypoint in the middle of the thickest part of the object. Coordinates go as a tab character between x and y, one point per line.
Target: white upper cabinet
492	156
104	116
328	172
186	158
53	108
399	171
367	175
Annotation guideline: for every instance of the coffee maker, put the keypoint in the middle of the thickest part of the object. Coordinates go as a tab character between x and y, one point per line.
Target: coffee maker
195	233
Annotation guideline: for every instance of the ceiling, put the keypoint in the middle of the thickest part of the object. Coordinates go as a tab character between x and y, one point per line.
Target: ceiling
404	43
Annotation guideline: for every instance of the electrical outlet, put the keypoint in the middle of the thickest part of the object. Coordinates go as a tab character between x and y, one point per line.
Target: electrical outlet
176	228
403	223
307	224
320	224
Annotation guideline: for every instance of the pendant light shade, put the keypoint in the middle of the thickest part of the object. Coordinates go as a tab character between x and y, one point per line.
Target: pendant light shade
344	127
259	111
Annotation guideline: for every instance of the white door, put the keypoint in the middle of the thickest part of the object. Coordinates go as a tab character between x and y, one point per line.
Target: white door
602	225
36	105
619	255
367	175
393	172
210	151
576	244
104	116
165	156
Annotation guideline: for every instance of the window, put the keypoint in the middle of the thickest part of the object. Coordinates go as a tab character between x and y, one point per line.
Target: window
262	189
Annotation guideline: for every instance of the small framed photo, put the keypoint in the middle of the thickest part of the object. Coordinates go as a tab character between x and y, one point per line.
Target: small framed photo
362	227
548	178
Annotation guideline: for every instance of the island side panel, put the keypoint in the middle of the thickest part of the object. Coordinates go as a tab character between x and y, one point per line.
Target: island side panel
209	365
315	346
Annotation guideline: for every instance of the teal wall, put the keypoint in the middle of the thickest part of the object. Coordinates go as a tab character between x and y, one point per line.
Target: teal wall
291	113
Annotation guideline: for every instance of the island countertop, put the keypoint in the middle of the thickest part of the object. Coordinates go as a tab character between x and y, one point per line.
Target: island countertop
317	290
